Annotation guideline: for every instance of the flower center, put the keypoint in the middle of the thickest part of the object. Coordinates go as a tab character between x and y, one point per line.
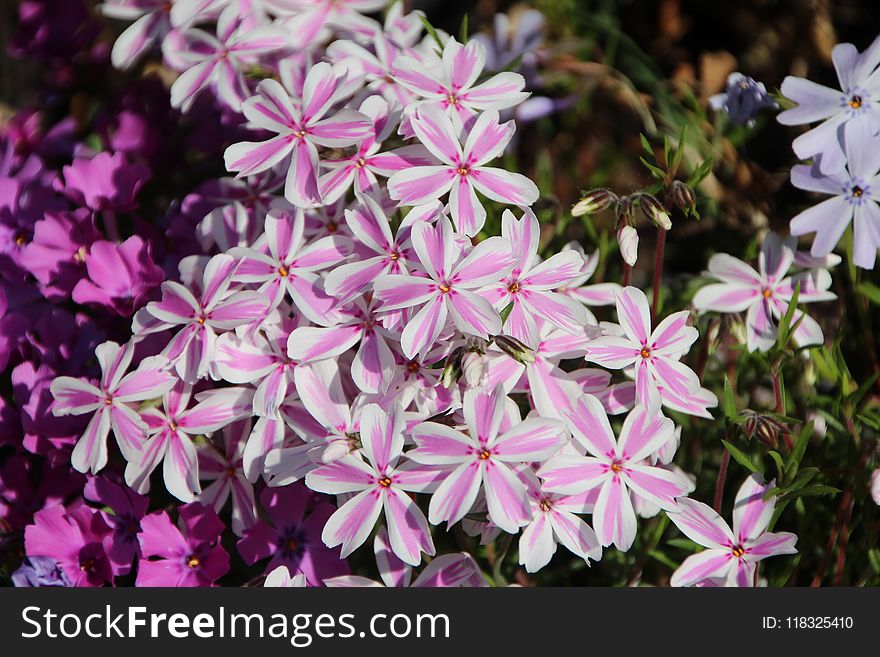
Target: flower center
855	102
766	293
80	254
283	271
360	163
200	320
385	482
87	566
738	551
452	99
462	171
394	255
616	466
645	352
292	545
192	561
485	454
444	288
413	366
513	288
20	240
857	191
300	134
546	504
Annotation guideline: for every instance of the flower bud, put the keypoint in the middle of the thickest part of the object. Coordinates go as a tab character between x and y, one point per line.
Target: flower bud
655	212
628	241
475	369
452	370
593	201
335	451
683	197
519	351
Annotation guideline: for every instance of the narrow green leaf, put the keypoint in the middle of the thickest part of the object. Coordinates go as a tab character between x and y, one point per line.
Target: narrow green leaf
463	30
808	491
777	459
869	291
741	457
797	453
728	400
646	145
430	30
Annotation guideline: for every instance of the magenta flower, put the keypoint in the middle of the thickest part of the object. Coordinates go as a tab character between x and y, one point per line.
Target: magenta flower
294	541
289	266
554	520
300	130
485	458
109	402
103	183
448	288
731	555
217	308
529	287
121	277
220	61
766	294
78	540
376	65
188	556
653	355
452	86
314	20
380	251
169	430
225	469
381	483
615	467
462	171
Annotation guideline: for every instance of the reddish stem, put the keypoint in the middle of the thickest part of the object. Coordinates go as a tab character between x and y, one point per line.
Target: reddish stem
719	483
627	274
658	273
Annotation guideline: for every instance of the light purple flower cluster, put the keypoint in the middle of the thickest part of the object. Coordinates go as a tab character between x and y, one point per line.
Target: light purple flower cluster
332	322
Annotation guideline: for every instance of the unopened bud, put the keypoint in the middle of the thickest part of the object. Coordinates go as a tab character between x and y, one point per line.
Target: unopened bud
593	201
655	212
516	349
474	368
683	197
628	241
452	370
335	451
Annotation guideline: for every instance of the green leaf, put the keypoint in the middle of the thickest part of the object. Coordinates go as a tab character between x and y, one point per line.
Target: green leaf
430	30
505	312
809	491
463	30
728	400
869	291
679	152
655	171
797	452
741	457
785	328
646	145
777	459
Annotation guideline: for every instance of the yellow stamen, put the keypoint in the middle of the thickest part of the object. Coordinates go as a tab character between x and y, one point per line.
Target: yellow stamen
385	482
485	454
645	352
855	102
192	561
738	551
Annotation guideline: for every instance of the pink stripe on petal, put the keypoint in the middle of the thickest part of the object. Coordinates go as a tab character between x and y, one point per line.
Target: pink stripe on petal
634	314
408	530
571	474
420	184
655	484
434	129
589	426
422	330
504	186
613	516
438	444
751	513
456	495
701	566
301	186
346	475
702	524
248	157
352	523
506	497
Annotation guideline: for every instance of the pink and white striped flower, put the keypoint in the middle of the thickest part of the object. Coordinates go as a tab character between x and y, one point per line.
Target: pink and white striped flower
529	286
218	307
731	555
152	21
453	87
282	262
373	362
313	21
224	468
380	251
653	355
219	60
554	520
615	467
169	436
361	167
765	294
448	288
109	402
485	458
300	129
462	171
381	483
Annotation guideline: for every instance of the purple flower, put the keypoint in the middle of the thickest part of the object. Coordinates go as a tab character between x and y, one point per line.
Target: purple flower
126	508
295	540
103	183
742	99
78	540
858	96
855	186
187	556
39	571
121	277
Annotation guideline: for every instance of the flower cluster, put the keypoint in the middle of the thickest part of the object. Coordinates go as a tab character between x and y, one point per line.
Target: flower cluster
324	347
